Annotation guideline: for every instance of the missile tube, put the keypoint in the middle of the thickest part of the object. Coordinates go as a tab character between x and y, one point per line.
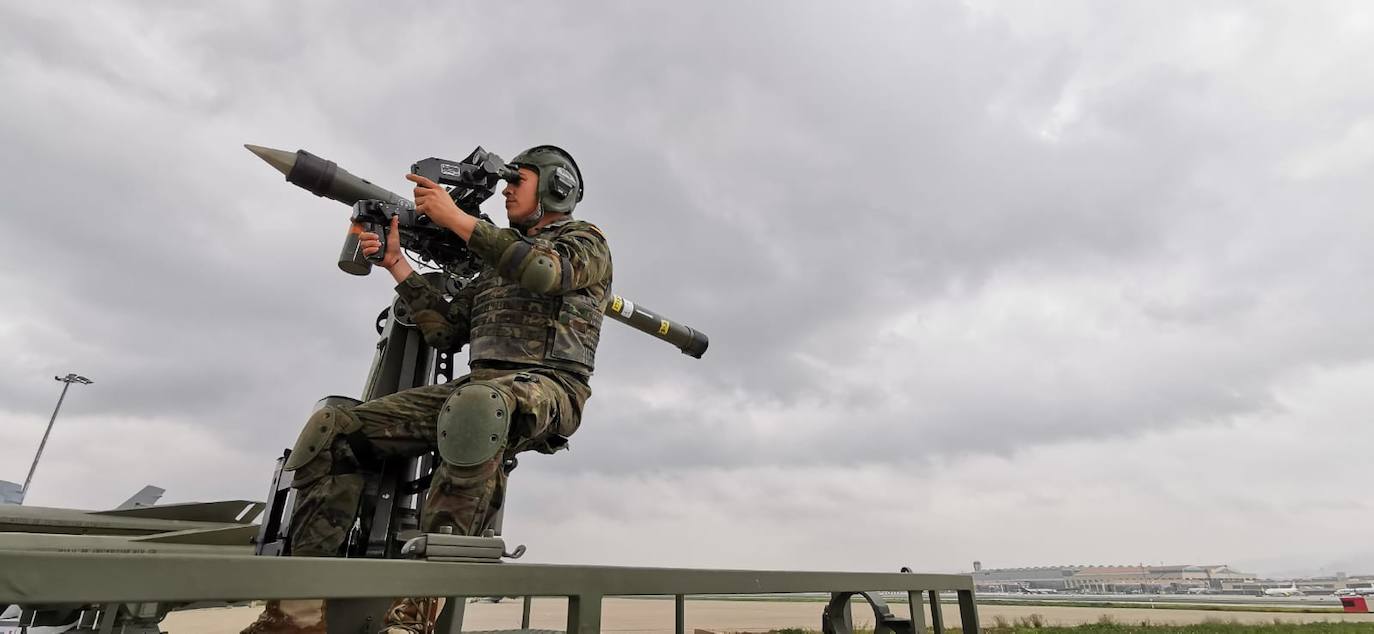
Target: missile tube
691	342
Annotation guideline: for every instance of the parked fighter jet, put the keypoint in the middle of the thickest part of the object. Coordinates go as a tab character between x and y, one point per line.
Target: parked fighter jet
138	525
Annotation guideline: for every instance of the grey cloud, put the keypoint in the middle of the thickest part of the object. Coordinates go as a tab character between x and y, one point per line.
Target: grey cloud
845	199
856	161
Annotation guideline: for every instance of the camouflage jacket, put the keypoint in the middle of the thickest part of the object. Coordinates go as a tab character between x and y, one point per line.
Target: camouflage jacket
506	323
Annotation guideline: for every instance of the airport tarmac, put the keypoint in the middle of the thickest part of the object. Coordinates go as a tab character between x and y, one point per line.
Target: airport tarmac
652	615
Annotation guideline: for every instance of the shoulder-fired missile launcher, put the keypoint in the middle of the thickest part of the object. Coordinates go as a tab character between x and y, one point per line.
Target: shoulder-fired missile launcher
473	180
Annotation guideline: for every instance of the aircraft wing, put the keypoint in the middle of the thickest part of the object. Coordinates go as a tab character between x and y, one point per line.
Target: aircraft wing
241	535
227	511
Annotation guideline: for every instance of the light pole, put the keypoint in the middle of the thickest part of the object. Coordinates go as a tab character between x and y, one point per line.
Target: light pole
67	381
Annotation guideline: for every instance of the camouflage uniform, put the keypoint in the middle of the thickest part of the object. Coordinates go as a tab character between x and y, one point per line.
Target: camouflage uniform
538	345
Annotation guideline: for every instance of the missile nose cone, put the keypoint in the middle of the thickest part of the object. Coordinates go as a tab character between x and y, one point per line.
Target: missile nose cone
280	159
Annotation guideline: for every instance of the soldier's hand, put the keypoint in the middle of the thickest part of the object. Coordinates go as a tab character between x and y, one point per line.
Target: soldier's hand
432	200
371	242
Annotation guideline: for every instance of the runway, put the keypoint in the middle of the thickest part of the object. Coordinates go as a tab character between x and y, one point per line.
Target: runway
655	616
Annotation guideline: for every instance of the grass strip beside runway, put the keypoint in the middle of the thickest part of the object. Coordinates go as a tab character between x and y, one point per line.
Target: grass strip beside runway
1026	627
1210	607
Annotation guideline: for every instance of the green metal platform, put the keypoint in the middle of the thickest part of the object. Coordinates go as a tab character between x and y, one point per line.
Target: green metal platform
61	578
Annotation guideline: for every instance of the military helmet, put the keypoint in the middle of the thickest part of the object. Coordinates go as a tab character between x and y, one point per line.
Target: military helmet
560	181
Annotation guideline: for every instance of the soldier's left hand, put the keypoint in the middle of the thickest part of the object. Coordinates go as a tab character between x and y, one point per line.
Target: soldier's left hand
431	200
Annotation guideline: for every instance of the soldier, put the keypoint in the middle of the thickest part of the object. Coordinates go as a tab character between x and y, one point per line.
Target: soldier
531	320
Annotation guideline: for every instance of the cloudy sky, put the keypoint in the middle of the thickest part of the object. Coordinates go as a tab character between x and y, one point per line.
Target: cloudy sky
1024	283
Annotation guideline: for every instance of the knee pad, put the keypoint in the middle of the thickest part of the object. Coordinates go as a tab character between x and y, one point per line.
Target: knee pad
474	422
319	432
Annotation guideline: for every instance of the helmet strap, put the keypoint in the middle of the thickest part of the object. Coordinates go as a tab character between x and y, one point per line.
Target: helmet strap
533	219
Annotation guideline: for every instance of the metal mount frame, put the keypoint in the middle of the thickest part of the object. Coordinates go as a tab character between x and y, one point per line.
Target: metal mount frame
392	499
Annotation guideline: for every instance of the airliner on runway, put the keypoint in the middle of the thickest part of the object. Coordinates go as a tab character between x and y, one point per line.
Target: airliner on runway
1291	591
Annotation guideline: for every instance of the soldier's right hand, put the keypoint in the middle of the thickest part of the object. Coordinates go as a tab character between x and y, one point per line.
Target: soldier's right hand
371	242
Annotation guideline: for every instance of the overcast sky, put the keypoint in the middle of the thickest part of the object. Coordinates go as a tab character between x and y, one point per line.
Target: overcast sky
1031	284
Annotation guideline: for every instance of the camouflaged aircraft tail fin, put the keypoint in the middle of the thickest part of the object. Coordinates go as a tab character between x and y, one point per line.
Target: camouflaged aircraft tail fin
147	496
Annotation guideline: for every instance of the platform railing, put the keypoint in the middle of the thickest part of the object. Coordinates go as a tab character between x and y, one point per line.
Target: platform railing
56	578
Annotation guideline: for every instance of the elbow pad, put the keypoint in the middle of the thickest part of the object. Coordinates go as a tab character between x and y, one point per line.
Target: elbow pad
436	330
537	269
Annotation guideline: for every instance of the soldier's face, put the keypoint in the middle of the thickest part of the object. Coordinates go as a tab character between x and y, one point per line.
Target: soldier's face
522	198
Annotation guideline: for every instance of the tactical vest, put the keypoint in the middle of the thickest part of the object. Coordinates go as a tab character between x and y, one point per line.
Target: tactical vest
514	325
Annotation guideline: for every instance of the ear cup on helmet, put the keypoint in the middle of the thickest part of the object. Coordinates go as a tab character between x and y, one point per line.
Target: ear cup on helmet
562	184
560	180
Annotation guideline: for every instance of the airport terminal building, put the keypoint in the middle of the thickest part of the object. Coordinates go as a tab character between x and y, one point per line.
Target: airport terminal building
1218	578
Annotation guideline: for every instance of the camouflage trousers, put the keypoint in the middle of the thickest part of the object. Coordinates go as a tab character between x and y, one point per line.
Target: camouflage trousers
548	409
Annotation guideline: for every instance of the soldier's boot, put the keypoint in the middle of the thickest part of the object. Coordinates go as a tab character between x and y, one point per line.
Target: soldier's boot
290	617
413	615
